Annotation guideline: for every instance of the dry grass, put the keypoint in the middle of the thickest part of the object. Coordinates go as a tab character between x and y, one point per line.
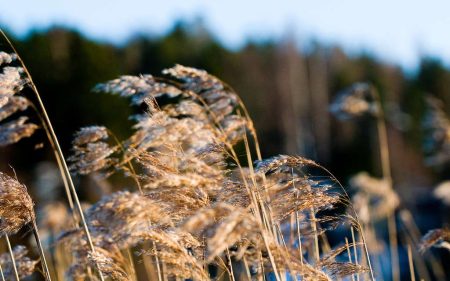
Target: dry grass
198	210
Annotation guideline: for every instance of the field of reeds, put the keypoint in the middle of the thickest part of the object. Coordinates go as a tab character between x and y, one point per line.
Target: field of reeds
199	202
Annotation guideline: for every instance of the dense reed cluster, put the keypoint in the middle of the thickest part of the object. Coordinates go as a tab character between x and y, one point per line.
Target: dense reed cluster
196	204
199	201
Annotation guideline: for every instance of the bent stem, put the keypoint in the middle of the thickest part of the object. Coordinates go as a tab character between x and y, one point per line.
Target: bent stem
11	254
44	120
59	162
41	251
58	152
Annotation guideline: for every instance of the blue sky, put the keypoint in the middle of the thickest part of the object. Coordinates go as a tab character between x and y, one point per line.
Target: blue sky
399	31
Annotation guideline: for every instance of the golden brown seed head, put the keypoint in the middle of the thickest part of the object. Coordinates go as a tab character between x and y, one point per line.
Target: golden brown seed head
16	206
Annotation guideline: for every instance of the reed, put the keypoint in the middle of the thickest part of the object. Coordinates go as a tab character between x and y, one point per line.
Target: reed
201	203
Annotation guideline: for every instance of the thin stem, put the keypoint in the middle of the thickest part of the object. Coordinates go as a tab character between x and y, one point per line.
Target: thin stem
44	124
357	221
383	142
249	120
58	161
393	246
255	208
297	222
386	170
262	219
355	251
414	233
366	250
148	264
11	254
130	260
411	264
127	161
247	269
41	251
230	264
158	266
138	184
48	126
349	255
141	191
266	216
300	249
316	237
1	273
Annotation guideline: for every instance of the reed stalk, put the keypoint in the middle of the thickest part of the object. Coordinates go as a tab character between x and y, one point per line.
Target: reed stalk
411	264
11	254
1	273
386	172
41	251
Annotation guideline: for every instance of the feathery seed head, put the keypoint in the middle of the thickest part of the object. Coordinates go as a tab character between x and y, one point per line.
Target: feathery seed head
25	265
107	265
439	238
173	253
378	192
121	217
343	269
138	88
90	134
91	152
219	100
442	191
194	79
14	104
16	206
15	130
282	163
6	58
371	185
354	102
126	85
54	216
11	82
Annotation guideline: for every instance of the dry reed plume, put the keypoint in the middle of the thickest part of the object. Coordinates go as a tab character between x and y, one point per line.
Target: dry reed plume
16	206
197	204
24	265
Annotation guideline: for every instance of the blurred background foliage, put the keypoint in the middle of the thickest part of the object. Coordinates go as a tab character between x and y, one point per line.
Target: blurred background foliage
287	90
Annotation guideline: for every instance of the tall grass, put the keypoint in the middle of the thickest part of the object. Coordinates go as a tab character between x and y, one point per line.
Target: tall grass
201	203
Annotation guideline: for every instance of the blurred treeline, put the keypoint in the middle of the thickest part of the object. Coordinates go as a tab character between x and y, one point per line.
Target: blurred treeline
287	90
